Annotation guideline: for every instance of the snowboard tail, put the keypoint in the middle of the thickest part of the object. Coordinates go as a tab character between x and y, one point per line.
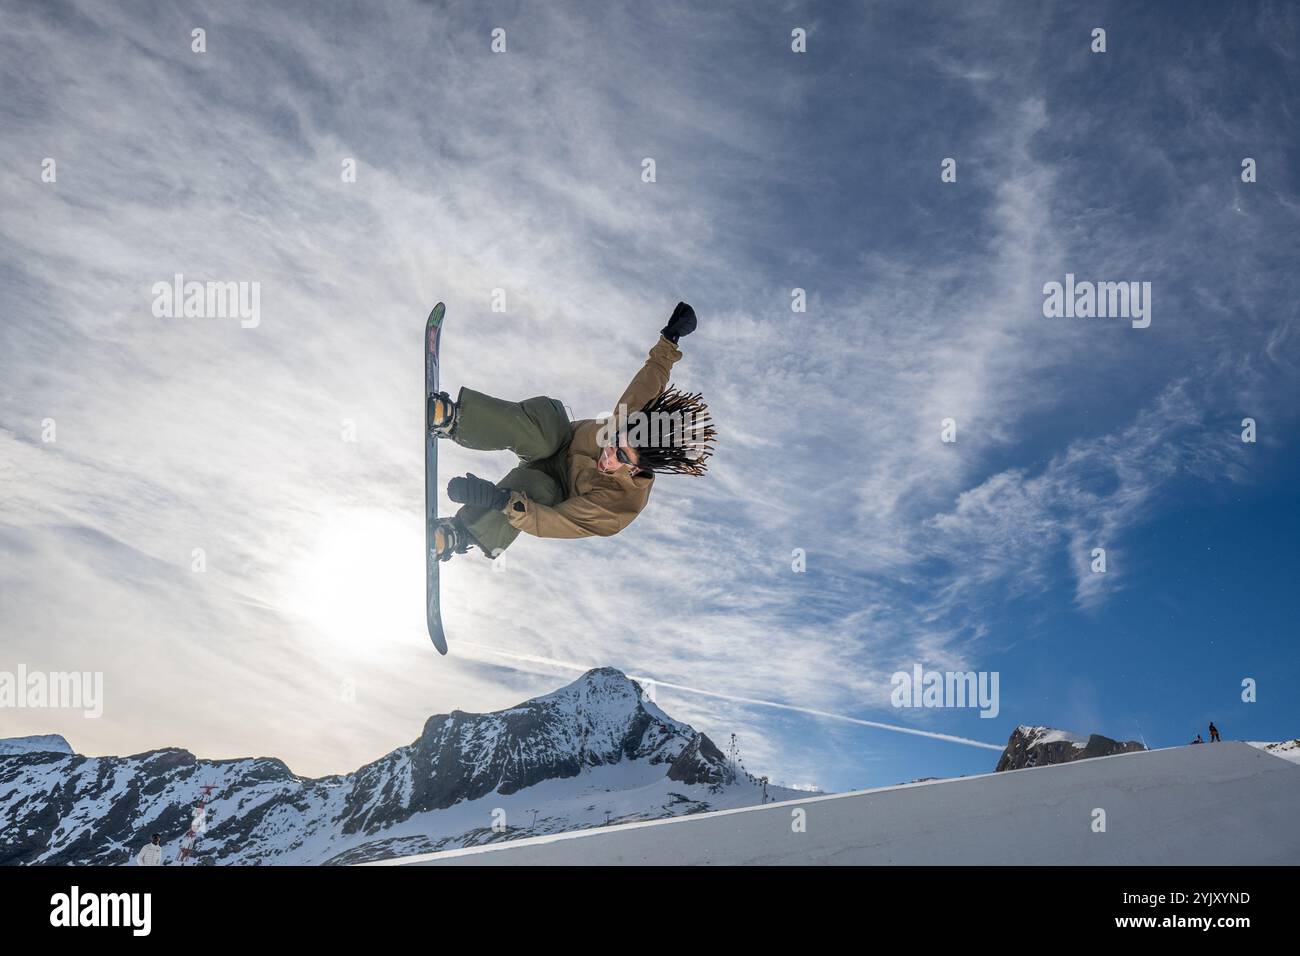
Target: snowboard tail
432	341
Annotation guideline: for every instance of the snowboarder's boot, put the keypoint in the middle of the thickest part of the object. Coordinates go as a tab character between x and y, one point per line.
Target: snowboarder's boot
442	414
450	537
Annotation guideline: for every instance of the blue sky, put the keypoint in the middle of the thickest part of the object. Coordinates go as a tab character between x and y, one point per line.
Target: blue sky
521	171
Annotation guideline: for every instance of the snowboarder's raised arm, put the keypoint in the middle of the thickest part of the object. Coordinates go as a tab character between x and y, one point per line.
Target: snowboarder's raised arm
650	382
653	377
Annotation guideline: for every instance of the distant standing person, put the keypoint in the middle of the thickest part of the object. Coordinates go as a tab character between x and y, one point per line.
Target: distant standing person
1214	732
151	854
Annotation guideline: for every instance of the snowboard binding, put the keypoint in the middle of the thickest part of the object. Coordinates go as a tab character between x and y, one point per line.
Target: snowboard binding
442	414
449	537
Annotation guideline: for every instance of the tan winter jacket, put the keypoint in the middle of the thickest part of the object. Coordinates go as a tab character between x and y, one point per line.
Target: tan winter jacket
598	503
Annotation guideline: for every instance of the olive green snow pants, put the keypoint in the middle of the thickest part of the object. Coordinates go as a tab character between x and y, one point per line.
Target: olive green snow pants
538	431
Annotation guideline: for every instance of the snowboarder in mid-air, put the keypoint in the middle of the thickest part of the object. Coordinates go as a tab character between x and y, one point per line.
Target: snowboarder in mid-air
574	479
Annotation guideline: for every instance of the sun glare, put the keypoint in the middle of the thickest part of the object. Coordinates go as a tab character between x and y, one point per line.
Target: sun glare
363	582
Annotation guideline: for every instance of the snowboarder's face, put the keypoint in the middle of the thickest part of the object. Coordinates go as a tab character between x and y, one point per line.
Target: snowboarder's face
608	462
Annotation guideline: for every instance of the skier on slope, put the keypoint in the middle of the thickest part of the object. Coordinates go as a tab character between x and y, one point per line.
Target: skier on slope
575	479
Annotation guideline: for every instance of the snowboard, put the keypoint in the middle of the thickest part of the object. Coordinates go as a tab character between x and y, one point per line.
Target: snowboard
433	602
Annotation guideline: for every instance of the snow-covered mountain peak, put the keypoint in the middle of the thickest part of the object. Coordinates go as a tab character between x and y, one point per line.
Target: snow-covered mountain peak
593	751
43	743
601	693
606	695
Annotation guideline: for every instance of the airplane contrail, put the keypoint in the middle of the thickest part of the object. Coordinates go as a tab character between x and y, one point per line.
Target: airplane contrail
950	738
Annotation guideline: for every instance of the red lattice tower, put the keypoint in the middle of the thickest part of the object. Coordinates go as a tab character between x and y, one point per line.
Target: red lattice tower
198	823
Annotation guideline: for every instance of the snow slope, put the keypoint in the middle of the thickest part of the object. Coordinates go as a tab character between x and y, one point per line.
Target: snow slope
1286	749
1214	804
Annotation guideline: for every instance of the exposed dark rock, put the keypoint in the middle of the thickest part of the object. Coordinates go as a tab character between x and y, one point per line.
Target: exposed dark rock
1041	746
700	762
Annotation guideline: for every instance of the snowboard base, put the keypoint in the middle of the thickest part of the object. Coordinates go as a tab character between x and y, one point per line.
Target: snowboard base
433	598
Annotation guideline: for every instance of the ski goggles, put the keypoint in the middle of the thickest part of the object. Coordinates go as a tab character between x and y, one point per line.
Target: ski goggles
626	459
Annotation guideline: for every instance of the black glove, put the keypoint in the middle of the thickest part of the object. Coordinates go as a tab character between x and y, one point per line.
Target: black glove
681	322
473	490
